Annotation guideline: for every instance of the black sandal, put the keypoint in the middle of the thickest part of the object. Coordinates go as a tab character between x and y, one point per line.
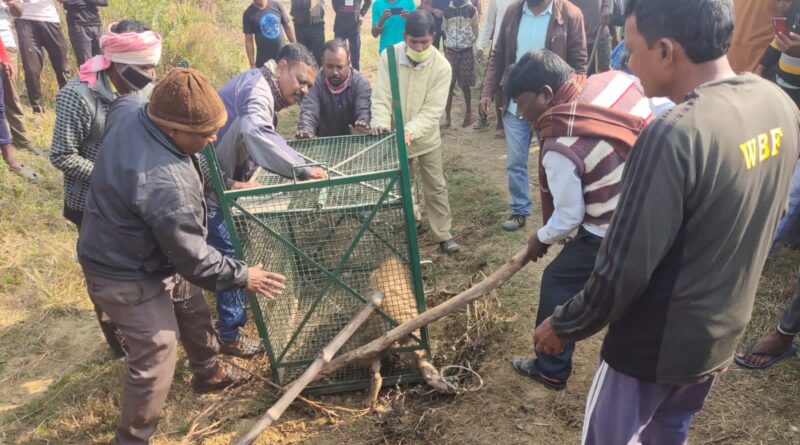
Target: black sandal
527	367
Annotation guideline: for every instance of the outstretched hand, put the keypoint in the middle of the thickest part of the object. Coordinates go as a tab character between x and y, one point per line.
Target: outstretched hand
268	284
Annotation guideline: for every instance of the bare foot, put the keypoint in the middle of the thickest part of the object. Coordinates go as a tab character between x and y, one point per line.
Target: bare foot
767	348
445	125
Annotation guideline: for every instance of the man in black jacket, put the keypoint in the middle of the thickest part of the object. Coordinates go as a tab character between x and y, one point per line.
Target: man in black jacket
702	193
339	101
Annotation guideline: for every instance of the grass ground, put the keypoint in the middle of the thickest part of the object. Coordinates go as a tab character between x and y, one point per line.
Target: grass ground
59	384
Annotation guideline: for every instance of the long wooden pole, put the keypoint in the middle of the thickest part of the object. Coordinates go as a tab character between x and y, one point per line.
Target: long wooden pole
311	372
493	281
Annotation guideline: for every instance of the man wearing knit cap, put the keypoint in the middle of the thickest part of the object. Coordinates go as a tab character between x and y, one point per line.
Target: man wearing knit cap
143	229
249	140
131	53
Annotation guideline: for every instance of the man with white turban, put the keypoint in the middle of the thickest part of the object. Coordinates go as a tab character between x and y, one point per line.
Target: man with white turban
130	55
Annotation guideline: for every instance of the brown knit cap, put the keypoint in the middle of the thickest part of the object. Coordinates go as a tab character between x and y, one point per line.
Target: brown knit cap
186	101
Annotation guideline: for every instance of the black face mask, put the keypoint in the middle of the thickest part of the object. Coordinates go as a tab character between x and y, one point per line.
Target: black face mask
135	78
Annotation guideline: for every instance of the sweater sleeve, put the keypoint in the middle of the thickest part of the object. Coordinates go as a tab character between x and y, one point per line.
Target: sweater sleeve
73	124
3	53
310	108
427	119
382	94
771	57
363	101
645	225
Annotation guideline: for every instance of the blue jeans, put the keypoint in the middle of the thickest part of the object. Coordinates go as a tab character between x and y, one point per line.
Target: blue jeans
231	313
518	144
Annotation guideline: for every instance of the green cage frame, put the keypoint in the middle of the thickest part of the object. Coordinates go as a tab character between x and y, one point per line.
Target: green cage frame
393	177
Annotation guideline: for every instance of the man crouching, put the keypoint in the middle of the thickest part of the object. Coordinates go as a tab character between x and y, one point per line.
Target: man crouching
144	227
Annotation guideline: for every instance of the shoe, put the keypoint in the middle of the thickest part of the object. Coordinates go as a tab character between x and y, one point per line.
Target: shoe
449	246
243	347
515	222
225	377
482	124
527	367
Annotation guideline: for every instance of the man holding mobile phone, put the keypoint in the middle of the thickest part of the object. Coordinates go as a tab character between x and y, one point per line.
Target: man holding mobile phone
389	20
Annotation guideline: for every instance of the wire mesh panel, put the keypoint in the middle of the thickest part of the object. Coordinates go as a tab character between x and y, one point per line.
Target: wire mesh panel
336	241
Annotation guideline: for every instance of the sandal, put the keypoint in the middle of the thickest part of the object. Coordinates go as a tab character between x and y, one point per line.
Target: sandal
527	367
741	361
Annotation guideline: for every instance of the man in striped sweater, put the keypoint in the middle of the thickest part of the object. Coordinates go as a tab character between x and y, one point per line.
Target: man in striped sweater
587	128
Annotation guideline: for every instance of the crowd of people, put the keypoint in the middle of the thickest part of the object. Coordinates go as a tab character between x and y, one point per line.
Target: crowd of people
665	169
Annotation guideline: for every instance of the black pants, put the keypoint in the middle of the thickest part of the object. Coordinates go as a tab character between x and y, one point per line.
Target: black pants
312	37
354	41
562	279
85	40
34	38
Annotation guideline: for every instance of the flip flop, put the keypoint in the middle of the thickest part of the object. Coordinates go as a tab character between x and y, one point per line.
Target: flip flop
27	173
527	367
740	360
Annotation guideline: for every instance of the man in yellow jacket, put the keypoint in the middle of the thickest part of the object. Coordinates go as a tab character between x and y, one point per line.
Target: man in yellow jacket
424	79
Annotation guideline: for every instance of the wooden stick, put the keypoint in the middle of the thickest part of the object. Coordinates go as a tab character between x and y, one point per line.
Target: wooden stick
310	374
493	281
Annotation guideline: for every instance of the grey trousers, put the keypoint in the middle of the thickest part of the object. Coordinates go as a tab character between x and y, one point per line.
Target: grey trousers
603	62
624	410
790	320
85	40
152	315
14	113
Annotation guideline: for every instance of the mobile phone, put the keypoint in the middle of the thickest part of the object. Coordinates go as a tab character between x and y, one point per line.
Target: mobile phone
780	25
398	11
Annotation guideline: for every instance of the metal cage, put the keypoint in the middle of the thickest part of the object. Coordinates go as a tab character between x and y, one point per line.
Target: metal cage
331	238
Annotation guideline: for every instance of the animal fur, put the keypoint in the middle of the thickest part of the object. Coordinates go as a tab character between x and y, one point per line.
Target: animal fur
399	303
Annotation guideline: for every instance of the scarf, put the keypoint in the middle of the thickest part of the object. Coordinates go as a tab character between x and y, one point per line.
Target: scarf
568	117
128	48
269	72
340	89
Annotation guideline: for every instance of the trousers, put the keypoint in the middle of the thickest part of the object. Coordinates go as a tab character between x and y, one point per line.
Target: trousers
518	144
34	38
354	42
621	409
312	36
564	277
85	40
14	113
429	191
152	315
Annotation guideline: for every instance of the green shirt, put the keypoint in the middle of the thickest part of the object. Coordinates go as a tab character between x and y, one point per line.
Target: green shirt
395	25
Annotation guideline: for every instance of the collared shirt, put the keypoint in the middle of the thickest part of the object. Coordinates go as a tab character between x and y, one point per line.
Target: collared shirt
532	35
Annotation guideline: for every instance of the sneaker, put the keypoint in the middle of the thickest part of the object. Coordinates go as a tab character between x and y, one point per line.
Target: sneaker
449	247
243	347
515	222
225	377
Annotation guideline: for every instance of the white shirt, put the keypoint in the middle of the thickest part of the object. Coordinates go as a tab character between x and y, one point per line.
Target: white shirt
6	35
40	11
492	21
570	208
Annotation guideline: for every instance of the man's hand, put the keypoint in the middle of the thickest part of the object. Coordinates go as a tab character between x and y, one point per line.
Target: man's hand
484	105
360	127
378	130
545	339
245	185
404	14
789	45
316	173
303	134
387	13
408	139
438	13
479	55
9	69
360	20
268	284
536	248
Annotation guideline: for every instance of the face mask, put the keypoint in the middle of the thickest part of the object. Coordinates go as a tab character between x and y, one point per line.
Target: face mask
134	78
419	56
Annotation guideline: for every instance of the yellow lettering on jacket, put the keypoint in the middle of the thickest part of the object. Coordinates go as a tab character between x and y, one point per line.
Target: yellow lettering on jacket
762	147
